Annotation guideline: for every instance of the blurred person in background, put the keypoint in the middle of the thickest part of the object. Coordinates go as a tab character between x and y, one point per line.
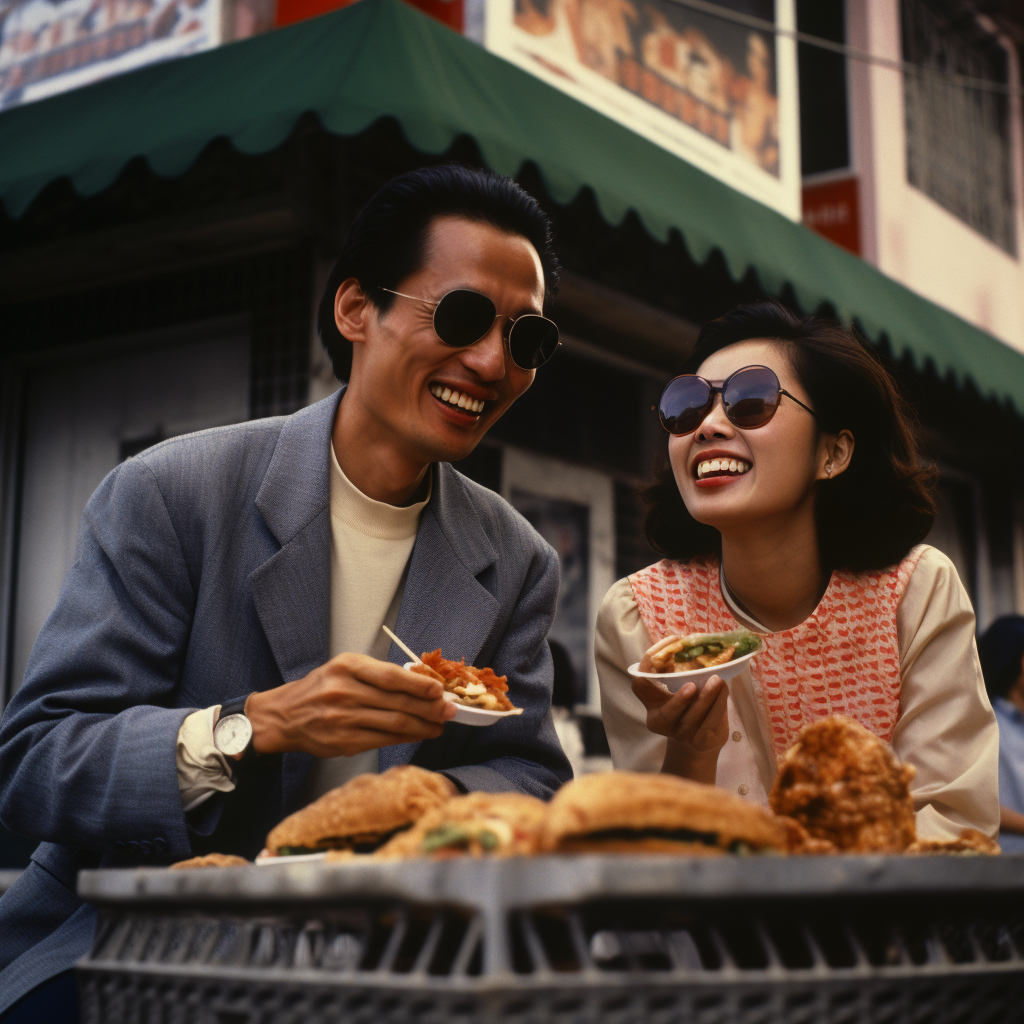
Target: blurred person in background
1001	650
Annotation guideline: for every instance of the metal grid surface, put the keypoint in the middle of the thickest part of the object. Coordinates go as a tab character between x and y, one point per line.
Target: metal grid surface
816	954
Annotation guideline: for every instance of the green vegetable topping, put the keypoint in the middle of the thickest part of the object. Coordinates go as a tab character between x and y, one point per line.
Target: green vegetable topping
446	835
487	839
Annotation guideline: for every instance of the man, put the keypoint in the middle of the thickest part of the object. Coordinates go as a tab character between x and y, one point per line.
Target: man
248	570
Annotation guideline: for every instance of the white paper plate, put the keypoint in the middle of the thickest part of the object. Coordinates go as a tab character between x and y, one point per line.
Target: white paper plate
699	676
473	716
292	858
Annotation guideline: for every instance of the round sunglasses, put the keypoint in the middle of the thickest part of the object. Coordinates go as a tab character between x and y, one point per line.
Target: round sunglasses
750	398
463	317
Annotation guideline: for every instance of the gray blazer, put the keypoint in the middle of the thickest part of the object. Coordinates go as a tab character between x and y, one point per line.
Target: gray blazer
202	574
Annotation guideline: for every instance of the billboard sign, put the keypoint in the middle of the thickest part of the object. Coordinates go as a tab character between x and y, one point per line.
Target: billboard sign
47	46
719	94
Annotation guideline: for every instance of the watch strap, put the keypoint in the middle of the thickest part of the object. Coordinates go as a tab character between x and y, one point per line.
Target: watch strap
236	706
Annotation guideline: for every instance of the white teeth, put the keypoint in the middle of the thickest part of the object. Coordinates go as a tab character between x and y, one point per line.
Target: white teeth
737	466
454	398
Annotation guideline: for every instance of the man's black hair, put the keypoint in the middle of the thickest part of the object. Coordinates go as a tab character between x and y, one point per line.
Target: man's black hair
387	241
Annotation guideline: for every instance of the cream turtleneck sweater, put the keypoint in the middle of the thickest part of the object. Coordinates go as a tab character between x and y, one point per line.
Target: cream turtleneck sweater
370	547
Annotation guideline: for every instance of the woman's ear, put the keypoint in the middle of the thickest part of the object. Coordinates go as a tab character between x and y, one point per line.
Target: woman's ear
837	454
352	308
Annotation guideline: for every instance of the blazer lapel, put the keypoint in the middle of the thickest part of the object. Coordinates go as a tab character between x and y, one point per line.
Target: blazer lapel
444	604
292	589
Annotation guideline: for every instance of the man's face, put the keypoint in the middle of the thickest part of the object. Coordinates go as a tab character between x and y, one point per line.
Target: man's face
400	366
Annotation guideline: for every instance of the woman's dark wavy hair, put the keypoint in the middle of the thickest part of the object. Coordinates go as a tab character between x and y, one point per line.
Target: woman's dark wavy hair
868	517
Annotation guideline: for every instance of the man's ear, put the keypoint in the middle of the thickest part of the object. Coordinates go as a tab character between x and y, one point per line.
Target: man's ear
352	310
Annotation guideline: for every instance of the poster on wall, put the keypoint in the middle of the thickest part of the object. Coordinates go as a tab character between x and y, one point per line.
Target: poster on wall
48	46
572	508
718	93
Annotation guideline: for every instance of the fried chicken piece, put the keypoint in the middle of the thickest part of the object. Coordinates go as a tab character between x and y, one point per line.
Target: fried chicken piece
801	843
969	842
844	785
475	825
212	860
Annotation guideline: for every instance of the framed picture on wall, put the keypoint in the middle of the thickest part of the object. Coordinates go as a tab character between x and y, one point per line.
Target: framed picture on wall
573	510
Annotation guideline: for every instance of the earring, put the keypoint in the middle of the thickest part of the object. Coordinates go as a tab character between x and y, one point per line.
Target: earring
828	468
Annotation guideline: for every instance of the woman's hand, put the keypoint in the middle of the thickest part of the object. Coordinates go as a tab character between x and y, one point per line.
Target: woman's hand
696	725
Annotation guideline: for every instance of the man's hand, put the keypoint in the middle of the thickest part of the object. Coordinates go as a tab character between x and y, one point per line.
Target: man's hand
696	724
351	704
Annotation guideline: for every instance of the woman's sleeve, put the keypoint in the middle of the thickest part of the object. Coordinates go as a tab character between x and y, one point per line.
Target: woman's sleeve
947	729
621	640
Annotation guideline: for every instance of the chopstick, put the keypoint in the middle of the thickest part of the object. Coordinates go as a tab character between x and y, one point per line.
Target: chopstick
414	657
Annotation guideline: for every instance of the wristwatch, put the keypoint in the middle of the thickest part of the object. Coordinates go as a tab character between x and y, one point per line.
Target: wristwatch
232	735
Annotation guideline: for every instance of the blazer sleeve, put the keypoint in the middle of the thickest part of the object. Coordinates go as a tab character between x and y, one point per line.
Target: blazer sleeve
522	753
87	744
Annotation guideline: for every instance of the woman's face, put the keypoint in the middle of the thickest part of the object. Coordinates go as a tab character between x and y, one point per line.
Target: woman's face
782	459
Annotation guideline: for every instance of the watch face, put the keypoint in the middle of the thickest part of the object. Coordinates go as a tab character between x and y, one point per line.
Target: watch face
232	734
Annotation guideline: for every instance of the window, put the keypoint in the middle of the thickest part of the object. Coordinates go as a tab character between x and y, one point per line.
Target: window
824	134
958	138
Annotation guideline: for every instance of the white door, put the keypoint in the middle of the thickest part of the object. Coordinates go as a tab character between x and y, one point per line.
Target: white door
82	420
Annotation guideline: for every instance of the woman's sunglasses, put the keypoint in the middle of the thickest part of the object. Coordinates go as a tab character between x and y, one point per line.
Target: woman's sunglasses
750	397
463	317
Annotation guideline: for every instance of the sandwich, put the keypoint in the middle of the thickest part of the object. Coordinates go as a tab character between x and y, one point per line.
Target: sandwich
476	825
699	650
362	815
470	686
630	812
846	786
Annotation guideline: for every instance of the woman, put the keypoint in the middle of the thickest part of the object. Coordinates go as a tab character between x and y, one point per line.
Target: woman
793	503
1002	663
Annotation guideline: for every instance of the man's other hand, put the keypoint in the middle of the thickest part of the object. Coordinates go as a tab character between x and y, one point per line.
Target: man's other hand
351	704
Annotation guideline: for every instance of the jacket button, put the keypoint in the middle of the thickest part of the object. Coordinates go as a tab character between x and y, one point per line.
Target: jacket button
160	845
133	846
147	847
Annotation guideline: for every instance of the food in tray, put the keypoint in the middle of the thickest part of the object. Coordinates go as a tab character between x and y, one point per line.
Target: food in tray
470	686
699	650
969	843
213	860
631	812
476	825
363	814
846	786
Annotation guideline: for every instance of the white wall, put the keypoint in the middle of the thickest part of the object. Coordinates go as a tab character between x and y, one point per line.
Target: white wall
905	233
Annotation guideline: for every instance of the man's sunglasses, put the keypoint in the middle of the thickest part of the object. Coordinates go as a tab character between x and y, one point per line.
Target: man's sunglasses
750	398
463	317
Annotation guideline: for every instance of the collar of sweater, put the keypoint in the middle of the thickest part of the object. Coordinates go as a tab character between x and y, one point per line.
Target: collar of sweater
373	518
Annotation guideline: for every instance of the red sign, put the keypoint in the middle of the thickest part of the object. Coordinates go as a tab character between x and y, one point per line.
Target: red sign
288	11
831	209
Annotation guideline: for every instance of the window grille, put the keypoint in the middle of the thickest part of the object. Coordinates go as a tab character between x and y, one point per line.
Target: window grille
958	138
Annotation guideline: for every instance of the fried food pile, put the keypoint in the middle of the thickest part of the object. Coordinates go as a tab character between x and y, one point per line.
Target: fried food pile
845	786
213	860
698	650
471	686
839	789
362	815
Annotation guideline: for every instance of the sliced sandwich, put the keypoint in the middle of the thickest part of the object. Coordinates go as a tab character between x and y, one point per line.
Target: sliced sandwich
630	812
476	825
362	815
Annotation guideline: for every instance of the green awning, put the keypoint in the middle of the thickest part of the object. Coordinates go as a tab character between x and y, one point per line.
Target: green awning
382	57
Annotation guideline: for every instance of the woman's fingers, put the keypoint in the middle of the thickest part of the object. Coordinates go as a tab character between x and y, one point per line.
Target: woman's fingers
650	693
